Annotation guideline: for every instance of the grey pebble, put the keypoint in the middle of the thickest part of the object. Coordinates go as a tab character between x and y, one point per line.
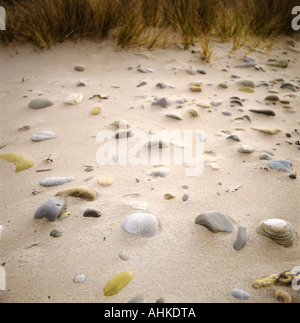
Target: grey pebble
92	212
288	86
215	221
216	103
185	187
201	71
238	293
185	197
163	172
40	103
79	278
141	224
284	165
162	85
161	102
241	239
137	299
79	68
54	181
142	84
264	156
50	209
227	113
234	137
55	233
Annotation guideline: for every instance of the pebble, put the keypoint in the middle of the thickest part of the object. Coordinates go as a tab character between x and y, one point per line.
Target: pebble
246	149
185	197
278	62
92	213
25	127
162	85
123	256
117	283
227	113
137	299
204	105
40	103
223	85
246	83
283	296
246	89
73	99
55	234
234	137
95	111
141	70
241	239
215	166
238	293
161	102
195	87
50	209
216	103
284	165
215	221
263	111
173	115
105	181
141	224
235	76
185	187
272	98
163	172
82	192
79	68
54	181
169	196
79	278
267	130
288	86
20	161
43	135
81	83
194	112
264	156
121	124
156	143
201	71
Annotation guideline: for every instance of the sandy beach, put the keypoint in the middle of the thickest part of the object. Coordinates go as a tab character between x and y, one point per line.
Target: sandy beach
184	262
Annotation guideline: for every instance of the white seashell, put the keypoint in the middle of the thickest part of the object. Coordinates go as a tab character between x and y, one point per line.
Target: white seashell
74	98
54	181
141	224
280	231
43	135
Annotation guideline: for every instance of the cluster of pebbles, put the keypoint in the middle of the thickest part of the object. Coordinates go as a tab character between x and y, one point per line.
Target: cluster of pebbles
147	225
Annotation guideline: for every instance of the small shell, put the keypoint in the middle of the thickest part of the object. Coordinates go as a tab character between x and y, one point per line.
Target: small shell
43	135
194	112
215	166
74	98
280	231
81	192
117	283
283	297
54	181
141	224
21	162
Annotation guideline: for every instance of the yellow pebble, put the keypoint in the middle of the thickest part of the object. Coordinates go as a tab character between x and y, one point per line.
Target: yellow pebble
105	181
117	283
95	111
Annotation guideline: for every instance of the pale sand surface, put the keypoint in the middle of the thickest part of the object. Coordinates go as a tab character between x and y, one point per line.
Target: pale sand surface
185	262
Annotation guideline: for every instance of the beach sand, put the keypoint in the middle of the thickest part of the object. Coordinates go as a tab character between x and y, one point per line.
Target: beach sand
184	262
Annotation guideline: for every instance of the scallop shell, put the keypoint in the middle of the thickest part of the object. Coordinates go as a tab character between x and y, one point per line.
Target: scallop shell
141	224
82	192
280	231
21	162
54	181
117	283
74	98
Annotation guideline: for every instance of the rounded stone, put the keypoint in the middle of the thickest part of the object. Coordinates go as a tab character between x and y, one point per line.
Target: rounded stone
92	213
105	181
79	278
40	103
246	149
141	224
95	111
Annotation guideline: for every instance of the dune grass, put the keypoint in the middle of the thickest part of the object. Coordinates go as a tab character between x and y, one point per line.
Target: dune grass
152	23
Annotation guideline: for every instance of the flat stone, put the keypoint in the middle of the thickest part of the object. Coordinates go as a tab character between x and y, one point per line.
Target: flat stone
264	156
247	83
215	221
40	103
284	165
54	181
